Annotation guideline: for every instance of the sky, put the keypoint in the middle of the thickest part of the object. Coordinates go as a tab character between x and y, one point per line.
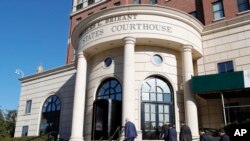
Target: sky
32	32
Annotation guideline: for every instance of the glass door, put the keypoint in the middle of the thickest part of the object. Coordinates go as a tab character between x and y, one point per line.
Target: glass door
154	114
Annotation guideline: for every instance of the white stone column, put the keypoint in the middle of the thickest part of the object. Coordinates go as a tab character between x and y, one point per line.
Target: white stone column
79	100
128	97
191	116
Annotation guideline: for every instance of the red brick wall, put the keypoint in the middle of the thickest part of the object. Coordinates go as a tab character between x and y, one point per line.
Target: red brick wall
203	8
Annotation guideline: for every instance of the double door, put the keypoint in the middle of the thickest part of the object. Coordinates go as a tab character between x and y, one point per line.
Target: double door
153	114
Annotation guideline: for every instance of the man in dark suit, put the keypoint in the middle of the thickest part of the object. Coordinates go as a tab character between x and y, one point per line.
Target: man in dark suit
203	135
172	133
223	135
165	131
130	131
185	134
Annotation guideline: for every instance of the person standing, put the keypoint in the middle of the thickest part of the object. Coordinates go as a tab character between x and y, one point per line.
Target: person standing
130	130
165	131
172	133
223	135
203	135
185	133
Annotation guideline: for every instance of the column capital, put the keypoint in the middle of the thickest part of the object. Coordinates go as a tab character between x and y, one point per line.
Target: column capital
129	40
80	55
187	48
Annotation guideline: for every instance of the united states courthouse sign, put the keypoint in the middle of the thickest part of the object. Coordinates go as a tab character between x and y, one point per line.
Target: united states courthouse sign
152	24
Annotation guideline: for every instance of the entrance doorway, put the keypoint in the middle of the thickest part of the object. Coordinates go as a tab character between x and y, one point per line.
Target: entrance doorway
157	106
107	111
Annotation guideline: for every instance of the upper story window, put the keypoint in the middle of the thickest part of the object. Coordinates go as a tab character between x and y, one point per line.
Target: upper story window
25	131
28	106
218	11
153	1
91	2
243	5
225	67
137	1
194	14
78	20
117	3
85	3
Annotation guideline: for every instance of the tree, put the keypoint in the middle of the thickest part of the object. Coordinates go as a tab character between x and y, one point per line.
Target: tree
3	131
10	120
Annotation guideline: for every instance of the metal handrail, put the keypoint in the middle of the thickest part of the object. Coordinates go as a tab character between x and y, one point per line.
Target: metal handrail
111	137
100	139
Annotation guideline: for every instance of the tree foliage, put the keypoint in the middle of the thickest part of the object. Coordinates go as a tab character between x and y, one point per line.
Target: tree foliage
7	123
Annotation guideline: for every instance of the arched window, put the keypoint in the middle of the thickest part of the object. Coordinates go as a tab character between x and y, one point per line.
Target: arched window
50	115
110	89
157	106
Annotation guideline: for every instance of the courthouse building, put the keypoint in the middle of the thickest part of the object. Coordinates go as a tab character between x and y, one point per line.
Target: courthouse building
146	60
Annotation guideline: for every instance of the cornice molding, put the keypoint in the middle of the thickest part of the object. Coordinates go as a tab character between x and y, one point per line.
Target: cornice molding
68	67
227	24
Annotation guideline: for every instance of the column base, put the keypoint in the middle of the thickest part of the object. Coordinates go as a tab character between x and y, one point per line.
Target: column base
75	139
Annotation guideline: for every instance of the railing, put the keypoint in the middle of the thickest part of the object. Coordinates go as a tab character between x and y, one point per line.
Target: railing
100	138
111	137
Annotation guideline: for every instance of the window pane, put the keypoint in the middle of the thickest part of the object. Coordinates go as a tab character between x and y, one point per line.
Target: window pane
106	85
112	91
118	97
137	1
157	59
53	106
145	87
229	66
160	108
145	96
25	131
152	117
167	98
217	6
118	88
146	108
147	117
221	68
163	85
159	97
160	118
218	15
159	90
166	118
28	106
112	96
243	7
153	89
113	83
151	82
166	109
153	97
152	108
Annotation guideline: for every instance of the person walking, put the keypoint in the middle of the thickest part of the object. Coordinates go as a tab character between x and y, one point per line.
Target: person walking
130	130
185	133
165	131
172	133
203	135
223	135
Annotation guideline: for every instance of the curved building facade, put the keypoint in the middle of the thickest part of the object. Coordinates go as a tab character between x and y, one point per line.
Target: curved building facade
143	42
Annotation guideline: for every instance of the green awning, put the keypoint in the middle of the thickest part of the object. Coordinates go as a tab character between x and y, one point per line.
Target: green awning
219	82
